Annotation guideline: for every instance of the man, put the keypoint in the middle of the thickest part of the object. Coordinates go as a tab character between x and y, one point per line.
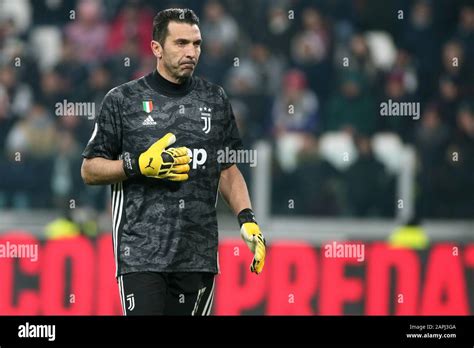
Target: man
163	199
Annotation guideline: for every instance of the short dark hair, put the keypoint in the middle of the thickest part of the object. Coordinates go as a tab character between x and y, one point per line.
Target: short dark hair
162	18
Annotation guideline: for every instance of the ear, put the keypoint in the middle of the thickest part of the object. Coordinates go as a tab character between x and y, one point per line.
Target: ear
156	49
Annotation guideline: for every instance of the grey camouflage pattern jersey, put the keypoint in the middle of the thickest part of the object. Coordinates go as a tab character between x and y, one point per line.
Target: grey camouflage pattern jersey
159	225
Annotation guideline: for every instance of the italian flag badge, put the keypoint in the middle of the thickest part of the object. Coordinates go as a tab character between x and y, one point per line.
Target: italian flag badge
147	106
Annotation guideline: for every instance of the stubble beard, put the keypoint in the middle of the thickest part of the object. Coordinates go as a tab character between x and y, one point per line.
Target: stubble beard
178	74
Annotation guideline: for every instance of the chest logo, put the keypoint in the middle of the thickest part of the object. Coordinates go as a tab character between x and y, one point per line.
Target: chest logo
206	116
149	121
147	106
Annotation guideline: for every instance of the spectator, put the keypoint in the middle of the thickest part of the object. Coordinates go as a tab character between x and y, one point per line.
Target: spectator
50	12
214	62
456	179
420	37
465	32
218	26
6	119
243	80
268	66
88	32
296	109
133	23
259	73
350	108
241	118
294	118
30	144
312	43
125	63
19	12
34	136
395	91
431	140
277	33
359	58
19	94
310	49
72	72
78	125
454	67
52	91
363	202
98	84
320	193
405	67
449	98
65	178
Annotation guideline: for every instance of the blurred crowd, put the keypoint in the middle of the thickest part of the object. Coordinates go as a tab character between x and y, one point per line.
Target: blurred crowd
301	73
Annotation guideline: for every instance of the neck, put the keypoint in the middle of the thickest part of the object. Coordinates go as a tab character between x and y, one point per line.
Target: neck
167	87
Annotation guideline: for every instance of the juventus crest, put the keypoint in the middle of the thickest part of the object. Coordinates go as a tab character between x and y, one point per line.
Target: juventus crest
206	116
131	302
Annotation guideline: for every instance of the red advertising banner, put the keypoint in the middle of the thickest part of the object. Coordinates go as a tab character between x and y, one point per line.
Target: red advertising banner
75	276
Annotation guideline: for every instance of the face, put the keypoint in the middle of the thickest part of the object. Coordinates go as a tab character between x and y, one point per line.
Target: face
180	53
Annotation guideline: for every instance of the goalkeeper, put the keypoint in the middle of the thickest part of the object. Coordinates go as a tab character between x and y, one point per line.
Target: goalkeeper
156	141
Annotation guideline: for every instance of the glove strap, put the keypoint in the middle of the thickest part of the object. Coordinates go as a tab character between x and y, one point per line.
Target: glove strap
246	215
130	165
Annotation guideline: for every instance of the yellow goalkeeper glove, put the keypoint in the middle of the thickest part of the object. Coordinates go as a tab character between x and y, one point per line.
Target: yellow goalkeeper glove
254	239
158	162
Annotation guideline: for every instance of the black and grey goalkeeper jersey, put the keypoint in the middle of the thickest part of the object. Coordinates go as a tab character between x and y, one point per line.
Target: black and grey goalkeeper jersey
159	225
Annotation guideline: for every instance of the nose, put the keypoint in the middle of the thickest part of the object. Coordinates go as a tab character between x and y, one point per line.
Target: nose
190	52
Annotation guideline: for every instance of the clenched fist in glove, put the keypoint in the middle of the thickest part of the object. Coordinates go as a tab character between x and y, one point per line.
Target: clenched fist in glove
158	162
